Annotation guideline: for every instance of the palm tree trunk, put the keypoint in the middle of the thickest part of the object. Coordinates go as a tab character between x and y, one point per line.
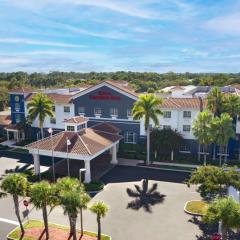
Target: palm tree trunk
70	223
224	232
148	145
45	220
225	157
73	223
16	205
205	156
199	156
214	152
99	227
81	221
220	156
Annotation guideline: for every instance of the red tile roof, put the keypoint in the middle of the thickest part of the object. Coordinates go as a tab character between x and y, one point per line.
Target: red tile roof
106	127
21	90
86	142
181	103
77	119
55	97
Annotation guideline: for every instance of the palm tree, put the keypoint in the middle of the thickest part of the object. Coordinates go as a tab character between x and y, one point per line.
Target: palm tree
201	130
39	108
232	105
226	211
41	196
16	185
100	209
222	130
66	184
84	199
147	107
70	202
215	101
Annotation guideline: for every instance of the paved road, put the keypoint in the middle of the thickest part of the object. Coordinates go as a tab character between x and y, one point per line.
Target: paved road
166	220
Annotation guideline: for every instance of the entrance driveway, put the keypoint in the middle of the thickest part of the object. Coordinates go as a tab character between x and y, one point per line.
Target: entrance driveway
157	215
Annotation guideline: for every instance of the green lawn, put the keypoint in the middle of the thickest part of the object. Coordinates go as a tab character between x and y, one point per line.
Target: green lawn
14	235
196	207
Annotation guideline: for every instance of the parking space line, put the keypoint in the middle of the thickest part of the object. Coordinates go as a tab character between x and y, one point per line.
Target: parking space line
9	221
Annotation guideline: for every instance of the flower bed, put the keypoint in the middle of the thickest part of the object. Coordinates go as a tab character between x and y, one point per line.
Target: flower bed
196	207
34	230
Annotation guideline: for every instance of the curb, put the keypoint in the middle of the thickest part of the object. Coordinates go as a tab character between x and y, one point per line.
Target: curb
191	213
158	168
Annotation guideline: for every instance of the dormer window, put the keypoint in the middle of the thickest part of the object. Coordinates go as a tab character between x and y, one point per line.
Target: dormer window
70	128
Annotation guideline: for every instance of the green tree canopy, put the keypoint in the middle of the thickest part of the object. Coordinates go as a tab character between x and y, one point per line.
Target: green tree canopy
201	130
40	107
147	107
226	211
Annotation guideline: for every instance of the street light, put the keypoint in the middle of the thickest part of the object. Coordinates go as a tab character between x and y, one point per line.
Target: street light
50	131
81	170
68	144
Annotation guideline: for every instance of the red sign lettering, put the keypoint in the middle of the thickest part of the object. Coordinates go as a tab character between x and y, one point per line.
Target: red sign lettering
104	95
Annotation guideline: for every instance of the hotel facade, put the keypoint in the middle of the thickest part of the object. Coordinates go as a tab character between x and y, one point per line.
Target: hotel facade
112	102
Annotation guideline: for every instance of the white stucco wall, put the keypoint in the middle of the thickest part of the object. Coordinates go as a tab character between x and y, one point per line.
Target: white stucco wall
60	115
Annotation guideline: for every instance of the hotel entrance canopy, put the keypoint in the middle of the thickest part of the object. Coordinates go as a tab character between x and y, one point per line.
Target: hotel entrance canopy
86	144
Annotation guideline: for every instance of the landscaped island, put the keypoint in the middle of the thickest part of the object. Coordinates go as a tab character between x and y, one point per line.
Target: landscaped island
34	230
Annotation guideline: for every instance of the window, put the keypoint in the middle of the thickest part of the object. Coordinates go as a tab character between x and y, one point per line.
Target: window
79	127
53	108
166	127
113	111
70	128
53	120
17	107
185	148
18	118
16	98
129	113
66	109
167	114
130	137
97	111
186	128
81	110
187	114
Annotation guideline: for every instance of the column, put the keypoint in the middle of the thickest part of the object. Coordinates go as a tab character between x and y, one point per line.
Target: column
36	162
88	171
114	155
7	135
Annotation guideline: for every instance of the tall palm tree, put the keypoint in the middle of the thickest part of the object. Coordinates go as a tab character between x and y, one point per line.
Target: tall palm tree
232	105
226	211
148	107
100	209
16	185
41	195
84	200
39	108
215	101
70	202
222	130
201	130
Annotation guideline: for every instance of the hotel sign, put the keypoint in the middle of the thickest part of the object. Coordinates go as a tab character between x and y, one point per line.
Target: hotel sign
104	95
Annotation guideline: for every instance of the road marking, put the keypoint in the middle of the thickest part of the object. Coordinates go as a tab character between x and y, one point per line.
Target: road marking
9	221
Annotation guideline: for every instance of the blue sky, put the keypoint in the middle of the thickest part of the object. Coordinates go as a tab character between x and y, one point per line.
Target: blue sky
113	35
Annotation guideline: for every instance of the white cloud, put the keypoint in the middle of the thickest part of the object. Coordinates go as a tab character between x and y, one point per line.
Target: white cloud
194	52
26	41
228	24
9	60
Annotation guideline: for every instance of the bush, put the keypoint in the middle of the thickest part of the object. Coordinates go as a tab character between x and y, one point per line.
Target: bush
94	186
25	142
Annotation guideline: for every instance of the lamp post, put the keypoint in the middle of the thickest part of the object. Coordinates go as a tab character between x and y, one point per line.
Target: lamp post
50	131
81	170
68	144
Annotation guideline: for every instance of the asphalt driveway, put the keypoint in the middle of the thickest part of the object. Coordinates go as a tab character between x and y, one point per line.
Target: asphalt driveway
137	215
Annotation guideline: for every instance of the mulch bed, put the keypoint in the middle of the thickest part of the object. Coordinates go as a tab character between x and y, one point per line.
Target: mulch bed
37	233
